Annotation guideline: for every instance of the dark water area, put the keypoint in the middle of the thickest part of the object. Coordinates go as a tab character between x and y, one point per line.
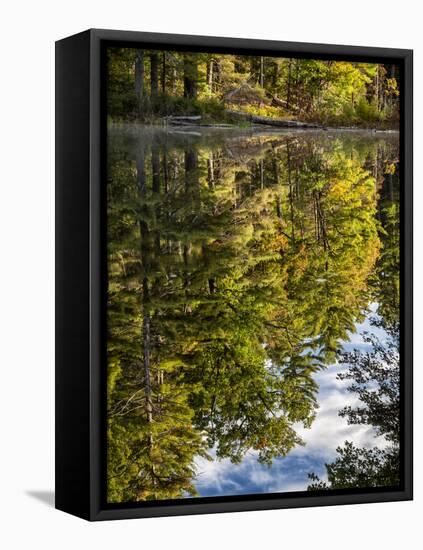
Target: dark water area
253	310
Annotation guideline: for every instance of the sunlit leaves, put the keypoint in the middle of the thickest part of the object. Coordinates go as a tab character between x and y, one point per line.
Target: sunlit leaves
248	260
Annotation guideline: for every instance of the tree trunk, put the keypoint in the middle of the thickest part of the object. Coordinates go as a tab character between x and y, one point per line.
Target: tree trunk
275	74
190	76
279	207
261	164
191	174
155	168
262	72
154	74
288	91
147	353
165	172
173	78
210	171
145	261
291	198
297	86
164	73
139	76
210	74
253	69
392	74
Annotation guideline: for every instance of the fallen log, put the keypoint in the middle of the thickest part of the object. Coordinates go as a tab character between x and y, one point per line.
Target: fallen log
185	133
269	121
183	122
183	118
217	125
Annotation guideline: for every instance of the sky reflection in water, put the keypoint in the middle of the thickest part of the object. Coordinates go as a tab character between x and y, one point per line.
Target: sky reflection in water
228	250
327	432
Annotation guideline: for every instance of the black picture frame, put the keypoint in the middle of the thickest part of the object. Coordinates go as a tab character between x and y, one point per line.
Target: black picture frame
80	274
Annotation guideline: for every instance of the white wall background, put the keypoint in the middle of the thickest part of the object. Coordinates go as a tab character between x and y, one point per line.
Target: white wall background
27	35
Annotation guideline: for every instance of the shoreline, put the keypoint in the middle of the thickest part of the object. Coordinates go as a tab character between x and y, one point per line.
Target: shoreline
255	128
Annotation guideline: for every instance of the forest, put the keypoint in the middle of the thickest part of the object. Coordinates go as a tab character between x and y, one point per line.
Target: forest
237	265
185	88
375	374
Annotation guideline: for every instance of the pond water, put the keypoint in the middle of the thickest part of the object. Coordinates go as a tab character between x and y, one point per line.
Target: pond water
244	269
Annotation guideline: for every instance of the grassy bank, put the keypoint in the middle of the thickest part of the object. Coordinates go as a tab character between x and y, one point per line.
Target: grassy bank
214	112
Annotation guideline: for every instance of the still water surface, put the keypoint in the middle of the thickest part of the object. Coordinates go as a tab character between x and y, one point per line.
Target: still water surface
241	266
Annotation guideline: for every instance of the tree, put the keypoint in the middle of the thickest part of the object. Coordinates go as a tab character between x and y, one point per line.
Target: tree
190	76
235	268
139	75
328	92
386	282
360	468
376	381
154	74
376	377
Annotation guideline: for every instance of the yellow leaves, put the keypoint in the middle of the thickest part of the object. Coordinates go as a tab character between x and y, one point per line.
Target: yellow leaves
170	364
279	243
114	370
190	347
392	86
261	280
261	443
338	189
301	261
390	168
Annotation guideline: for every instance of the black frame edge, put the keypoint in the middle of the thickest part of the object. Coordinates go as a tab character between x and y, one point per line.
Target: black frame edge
406	278
72	390
251	505
280	47
90	448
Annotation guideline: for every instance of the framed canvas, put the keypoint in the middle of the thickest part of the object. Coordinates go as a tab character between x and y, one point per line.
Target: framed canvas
233	274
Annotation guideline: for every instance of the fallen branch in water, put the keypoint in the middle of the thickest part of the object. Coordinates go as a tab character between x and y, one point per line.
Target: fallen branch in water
270	121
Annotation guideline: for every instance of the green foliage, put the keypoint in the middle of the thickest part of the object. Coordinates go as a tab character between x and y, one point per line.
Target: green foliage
155	84
165	105
360	468
366	111
235	269
376	377
387	277
376	381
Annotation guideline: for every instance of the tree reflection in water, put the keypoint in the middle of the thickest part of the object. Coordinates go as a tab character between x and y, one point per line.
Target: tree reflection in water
237	262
